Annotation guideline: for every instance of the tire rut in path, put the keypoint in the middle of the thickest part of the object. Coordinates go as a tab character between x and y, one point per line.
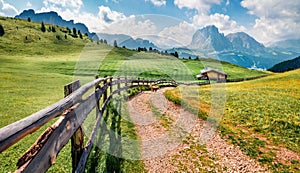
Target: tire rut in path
170	139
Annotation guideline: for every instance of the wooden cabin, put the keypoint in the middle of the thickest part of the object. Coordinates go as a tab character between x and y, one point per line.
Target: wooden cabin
212	74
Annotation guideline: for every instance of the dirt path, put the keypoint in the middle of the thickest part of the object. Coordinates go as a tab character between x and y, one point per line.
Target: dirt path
171	139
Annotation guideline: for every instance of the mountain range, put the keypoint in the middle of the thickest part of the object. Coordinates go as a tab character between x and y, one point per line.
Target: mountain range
237	48
53	18
127	41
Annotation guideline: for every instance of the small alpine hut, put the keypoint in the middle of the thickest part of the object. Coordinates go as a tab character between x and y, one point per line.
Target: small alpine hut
212	74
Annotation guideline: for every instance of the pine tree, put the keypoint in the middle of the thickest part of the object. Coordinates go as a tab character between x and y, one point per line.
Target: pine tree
1	31
115	43
53	29
80	35
43	28
74	32
176	54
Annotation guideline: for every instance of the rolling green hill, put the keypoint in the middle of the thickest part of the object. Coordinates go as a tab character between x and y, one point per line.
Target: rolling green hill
286	65
26	38
35	65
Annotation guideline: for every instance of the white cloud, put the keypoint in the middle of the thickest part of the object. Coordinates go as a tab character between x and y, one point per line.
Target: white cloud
28	4
203	18
202	6
108	16
177	36
277	19
227	2
74	5
273	8
133	26
221	21
95	23
116	1
7	10
158	2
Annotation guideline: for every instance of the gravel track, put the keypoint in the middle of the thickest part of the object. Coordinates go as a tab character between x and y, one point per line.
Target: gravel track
171	140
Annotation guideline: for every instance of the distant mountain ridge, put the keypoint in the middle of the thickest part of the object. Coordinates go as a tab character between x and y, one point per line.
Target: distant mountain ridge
210	39
289	45
237	48
127	41
53	18
244	42
134	43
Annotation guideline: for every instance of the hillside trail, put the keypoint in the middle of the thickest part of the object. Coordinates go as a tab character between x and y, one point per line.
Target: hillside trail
170	139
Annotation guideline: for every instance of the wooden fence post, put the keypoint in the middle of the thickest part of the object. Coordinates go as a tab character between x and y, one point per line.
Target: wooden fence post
111	85
105	92
77	140
98	102
119	85
126	81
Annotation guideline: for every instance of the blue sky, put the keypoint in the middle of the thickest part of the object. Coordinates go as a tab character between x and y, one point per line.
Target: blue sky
267	21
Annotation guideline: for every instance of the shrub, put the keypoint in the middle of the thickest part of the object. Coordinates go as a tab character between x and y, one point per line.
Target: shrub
58	37
115	43
1	31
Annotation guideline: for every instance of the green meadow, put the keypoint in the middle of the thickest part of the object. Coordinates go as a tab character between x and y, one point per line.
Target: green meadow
35	65
261	116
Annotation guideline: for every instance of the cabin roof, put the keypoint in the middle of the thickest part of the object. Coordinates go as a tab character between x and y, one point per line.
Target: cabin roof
208	69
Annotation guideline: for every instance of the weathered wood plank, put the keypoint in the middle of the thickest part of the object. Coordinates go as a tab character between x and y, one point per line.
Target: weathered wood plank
12	133
71	87
63	130
77	140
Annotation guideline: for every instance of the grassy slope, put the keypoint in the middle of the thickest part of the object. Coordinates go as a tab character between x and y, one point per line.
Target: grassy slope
27	85
151	65
258	114
34	71
233	71
32	76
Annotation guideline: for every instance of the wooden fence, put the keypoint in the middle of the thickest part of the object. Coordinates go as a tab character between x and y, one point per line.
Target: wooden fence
72	111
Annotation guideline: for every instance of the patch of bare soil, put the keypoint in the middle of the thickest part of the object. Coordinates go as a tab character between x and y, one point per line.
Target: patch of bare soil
171	139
